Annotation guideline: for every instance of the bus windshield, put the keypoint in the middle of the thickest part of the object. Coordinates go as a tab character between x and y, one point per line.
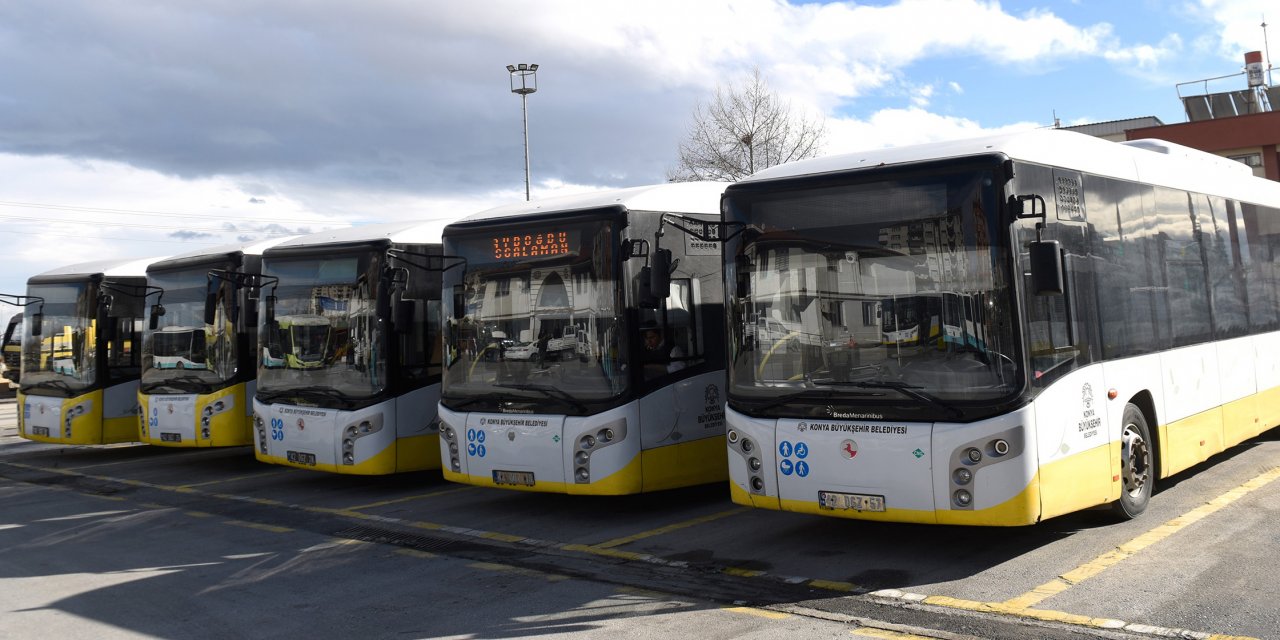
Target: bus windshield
63	358
891	292
323	340
184	354
540	318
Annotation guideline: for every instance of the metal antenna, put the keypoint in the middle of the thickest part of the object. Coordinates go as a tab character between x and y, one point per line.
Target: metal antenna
1266	46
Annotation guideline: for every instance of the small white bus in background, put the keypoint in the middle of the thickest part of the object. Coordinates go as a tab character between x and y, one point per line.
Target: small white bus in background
199	347
1066	321
565	371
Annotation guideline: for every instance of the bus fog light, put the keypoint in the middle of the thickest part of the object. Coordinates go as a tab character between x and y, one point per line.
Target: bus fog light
582	458
757	484
448	433
588	441
973	455
755	464
348	445
1000	447
963	498
605	435
219	406
453	448
733	436
747	445
351	431
348	458
457	466
583	475
962	476
205	421
208	411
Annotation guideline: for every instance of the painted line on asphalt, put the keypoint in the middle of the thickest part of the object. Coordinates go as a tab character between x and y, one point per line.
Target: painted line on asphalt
692	522
1046	615
885	634
1113	557
259	474
259	526
158	456
759	613
383	503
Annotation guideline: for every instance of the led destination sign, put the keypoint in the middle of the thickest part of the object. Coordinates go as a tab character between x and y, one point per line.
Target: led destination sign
532	245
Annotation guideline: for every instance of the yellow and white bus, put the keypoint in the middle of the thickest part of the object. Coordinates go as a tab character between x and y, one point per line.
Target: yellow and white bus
348	352
549	384
1117	322
80	353
199	346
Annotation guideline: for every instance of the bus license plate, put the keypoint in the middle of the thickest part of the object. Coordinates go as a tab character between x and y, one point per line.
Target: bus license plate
40	431
170	437
851	501
301	458
518	478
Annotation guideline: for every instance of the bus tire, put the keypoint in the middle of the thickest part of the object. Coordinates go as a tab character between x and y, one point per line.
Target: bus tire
1137	471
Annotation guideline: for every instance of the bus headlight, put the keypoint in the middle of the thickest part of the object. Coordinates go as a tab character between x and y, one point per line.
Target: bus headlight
583	475
755	464
582	458
962	498
973	455
587	441
733	436
757	484
962	476
1000	446
747	445
605	435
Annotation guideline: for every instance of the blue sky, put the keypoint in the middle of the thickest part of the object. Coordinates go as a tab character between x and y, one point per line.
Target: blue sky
134	128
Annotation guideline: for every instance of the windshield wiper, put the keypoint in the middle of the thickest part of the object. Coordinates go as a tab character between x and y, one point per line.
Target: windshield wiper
826	394
549	391
60	385
466	402
314	394
911	391
190	384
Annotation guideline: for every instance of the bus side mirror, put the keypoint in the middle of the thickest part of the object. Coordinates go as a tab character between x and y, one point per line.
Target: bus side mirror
459	302
1046	268
644	297
246	313
743	271
104	304
660	276
403	319
270	304
37	323
157	312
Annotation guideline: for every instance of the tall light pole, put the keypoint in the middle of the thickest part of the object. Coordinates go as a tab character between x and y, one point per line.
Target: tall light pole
524	81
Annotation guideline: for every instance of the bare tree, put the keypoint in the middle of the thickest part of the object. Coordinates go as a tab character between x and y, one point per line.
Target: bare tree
742	130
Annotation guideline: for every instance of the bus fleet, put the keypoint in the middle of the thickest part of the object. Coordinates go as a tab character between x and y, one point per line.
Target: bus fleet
981	332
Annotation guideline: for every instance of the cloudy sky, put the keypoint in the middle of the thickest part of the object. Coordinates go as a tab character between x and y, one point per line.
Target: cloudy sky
135	128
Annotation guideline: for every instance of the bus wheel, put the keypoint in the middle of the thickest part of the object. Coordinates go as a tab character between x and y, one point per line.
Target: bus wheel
1136	465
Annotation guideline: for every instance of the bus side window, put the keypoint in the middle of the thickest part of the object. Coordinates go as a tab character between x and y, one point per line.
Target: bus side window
677	322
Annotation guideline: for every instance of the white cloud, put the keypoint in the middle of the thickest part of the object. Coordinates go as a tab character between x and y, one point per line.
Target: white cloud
901	127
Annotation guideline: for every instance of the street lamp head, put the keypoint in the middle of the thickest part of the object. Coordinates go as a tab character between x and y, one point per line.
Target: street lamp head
524	78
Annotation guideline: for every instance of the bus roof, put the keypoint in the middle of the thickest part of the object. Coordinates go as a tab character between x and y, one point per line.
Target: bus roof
1148	161
680	197
255	248
406	232
118	268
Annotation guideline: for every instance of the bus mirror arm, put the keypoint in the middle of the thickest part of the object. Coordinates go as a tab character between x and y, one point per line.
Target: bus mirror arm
635	249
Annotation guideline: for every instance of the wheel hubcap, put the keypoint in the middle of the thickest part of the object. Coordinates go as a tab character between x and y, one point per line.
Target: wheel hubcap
1137	460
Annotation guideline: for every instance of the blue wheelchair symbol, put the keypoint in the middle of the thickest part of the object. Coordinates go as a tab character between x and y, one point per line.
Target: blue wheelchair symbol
802	468
480	436
786	468
802	450
784	449
471	448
